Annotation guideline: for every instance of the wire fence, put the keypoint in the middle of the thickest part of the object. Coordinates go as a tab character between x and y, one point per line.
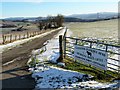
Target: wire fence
8	38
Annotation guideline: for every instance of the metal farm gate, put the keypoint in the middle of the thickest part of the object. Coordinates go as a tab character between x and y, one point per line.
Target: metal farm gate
113	51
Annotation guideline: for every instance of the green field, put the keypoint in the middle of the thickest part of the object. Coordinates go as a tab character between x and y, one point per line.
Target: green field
100	29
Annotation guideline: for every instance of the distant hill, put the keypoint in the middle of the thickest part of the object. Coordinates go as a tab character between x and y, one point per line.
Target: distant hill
24	18
14	18
102	15
73	18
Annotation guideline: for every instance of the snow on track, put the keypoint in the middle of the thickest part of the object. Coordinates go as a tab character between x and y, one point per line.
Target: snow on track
52	49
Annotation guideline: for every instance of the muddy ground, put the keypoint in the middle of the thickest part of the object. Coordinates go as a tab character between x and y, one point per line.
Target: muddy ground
15	76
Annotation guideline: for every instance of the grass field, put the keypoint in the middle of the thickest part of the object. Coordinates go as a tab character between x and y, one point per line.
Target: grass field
100	29
26	25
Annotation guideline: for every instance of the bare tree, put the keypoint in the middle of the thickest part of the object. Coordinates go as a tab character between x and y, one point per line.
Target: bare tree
51	22
40	25
59	20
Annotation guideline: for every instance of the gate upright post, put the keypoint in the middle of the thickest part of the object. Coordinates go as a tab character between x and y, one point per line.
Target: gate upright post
64	39
60	49
76	42
64	47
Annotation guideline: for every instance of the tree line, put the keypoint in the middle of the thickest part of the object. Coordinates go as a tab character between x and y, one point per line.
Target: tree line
51	22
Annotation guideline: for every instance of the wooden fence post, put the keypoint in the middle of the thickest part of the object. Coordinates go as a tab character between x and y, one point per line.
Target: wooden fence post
24	36
76	41
19	36
90	44
37	32
30	34
33	33
106	48
3	39
10	37
15	37
60	50
27	35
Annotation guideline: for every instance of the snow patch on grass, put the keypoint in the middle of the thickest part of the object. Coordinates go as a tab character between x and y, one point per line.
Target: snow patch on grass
53	77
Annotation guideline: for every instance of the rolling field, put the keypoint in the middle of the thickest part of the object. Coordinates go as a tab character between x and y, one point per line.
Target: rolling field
28	27
100	29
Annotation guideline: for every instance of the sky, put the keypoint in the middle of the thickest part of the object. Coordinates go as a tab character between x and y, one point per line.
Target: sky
40	8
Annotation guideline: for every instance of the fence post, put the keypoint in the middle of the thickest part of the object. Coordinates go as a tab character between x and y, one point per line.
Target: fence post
64	39
90	44
10	37
60	49
15	37
30	34
19	36
76	42
106	51
27	35
24	36
90	47
37	32
33	34
106	48
3	39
